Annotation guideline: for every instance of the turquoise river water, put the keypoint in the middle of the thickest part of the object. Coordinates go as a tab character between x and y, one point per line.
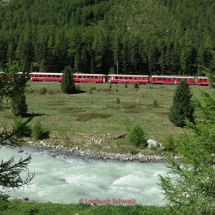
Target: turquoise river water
68	179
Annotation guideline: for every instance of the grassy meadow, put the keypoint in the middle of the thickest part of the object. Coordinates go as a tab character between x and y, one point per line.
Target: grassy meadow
21	208
101	111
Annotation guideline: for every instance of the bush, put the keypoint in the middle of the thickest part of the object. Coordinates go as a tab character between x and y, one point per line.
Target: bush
168	142
136	136
43	91
20	128
136	85
155	103
38	132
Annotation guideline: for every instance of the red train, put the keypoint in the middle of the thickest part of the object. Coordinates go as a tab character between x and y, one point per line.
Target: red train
129	79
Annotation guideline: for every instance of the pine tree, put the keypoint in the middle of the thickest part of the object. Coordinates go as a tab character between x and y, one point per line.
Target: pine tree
18	104
189	184
67	83
11	171
182	107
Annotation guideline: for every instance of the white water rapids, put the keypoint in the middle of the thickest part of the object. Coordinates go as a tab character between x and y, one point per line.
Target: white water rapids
68	179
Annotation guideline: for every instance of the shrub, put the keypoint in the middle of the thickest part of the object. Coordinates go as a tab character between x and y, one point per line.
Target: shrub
38	132
91	90
43	91
20	128
168	142
155	103
136	85
118	100
136	136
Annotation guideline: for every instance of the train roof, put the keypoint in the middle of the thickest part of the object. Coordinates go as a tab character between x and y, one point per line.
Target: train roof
89	74
172	76
45	73
129	75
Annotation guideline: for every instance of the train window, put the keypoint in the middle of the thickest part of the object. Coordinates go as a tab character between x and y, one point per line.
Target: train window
79	76
159	78
120	77
96	77
116	77
84	77
58	76
40	75
49	76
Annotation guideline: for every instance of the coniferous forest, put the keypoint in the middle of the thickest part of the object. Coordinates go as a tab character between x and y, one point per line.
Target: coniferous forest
96	36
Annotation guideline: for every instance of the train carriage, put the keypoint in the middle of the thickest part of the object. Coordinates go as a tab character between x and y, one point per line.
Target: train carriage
203	80
40	76
140	79
166	79
97	78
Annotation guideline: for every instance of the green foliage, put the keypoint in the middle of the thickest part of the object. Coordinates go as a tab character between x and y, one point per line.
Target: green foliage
155	103
20	128
182	107
168	142
136	136
11	171
118	100
38	132
126	86
22	207
67	83
18	105
43	91
136	85
91	90
111	71
189	184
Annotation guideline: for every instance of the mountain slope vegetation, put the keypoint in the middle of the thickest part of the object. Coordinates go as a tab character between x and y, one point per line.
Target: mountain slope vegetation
143	36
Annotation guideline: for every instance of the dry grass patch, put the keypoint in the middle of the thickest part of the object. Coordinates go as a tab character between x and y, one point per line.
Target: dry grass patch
132	107
89	116
69	109
56	102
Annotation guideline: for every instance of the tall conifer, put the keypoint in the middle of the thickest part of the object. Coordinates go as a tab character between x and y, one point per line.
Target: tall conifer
182	107
67	83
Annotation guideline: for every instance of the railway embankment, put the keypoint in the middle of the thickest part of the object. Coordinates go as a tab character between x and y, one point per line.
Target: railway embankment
90	154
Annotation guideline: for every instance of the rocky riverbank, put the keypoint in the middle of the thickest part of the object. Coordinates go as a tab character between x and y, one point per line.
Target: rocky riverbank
90	154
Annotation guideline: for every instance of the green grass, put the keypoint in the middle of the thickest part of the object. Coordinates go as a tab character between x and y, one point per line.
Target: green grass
21	208
105	113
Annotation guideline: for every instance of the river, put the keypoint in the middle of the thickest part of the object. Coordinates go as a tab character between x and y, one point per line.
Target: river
68	179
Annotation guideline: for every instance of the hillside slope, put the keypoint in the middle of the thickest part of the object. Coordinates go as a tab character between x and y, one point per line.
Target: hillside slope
143	36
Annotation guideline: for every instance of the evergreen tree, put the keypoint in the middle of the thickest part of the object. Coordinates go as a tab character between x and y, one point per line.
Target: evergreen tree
18	104
14	83
13	174
182	107
67	83
190	183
